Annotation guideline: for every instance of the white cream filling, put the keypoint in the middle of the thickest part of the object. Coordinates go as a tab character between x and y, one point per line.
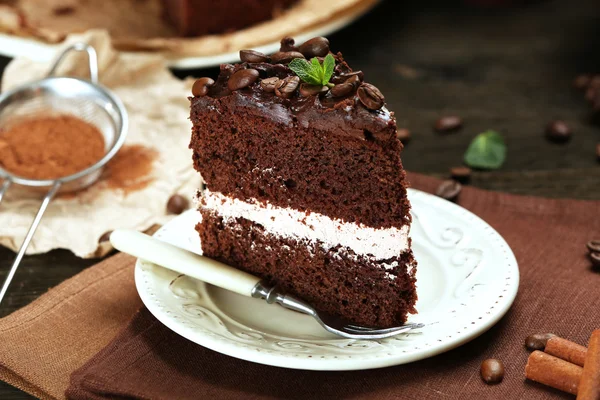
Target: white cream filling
381	244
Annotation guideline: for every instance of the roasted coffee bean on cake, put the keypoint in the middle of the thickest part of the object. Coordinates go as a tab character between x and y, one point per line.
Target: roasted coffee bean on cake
304	185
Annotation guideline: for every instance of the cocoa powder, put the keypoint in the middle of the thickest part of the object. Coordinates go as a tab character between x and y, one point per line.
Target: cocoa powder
50	147
131	168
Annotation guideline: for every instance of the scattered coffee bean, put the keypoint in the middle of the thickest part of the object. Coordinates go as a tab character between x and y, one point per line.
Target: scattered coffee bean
284	57
242	79
558	131
403	135
370	96
461	174
595	257
593	246
177	204
201	86
105	237
590	94
307	90
449	190
344	77
269	84
448	123
252	56
286	87
342	89
288	44
582	81
595	82
315	47
492	371
537	341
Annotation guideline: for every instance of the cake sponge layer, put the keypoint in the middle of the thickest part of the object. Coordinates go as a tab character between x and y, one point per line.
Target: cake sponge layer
245	151
336	281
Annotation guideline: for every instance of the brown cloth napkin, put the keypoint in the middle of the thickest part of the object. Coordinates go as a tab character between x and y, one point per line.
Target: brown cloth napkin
57	334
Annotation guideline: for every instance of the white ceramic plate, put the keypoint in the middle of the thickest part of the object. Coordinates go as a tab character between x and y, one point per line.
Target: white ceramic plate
467	279
15	46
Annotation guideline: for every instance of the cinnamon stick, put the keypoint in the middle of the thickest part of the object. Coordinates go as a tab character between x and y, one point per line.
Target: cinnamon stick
554	372
566	350
589	386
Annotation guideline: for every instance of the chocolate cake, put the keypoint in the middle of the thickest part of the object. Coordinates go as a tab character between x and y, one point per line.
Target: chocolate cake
304	185
202	17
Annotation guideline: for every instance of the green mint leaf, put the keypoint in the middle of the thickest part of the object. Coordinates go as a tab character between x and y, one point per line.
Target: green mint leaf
318	69
306	71
313	72
486	151
328	65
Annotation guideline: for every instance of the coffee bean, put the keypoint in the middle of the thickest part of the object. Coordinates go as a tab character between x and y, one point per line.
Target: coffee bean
177	204
201	86
284	57
595	82
269	84
595	257
403	135
593	246
558	131
252	56
344	77
307	90
242	79
342	89
370	96
286	87
582	81
105	237
354	80
461	174
537	341
590	94
448	123
449	190
315	47
492	371
288	44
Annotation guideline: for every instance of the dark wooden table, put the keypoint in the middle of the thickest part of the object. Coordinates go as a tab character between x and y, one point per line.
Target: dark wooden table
508	69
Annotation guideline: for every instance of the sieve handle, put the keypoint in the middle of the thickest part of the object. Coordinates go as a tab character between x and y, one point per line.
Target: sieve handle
92	59
36	221
4	188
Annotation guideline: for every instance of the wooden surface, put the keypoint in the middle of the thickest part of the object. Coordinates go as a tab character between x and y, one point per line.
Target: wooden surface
508	69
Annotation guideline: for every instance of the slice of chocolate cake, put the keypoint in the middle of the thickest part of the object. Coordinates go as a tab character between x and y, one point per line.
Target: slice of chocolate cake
304	183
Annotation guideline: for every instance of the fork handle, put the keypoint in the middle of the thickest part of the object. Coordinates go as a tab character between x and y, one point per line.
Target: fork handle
184	262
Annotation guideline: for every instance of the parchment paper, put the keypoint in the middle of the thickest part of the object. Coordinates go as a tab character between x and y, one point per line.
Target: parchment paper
158	118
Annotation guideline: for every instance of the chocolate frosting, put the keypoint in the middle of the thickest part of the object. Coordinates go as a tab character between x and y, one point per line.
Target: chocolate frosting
342	116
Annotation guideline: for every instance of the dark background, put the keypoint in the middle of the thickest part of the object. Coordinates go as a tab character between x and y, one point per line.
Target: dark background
507	68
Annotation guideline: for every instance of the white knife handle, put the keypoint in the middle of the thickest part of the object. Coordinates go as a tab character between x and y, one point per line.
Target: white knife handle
182	261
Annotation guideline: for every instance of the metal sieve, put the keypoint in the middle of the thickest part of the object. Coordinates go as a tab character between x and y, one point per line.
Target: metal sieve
56	95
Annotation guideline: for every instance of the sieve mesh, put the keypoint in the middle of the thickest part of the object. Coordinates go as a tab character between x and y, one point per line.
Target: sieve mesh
43	99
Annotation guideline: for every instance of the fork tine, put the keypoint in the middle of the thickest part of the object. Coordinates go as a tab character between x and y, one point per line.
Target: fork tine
369	331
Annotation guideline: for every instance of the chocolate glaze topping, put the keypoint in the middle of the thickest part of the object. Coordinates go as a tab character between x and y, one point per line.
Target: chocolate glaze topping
351	107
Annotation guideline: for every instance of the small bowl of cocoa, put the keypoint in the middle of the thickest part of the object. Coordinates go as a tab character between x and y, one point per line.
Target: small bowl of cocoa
56	135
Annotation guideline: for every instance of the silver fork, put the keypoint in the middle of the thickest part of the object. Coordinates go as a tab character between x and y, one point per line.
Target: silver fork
211	271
